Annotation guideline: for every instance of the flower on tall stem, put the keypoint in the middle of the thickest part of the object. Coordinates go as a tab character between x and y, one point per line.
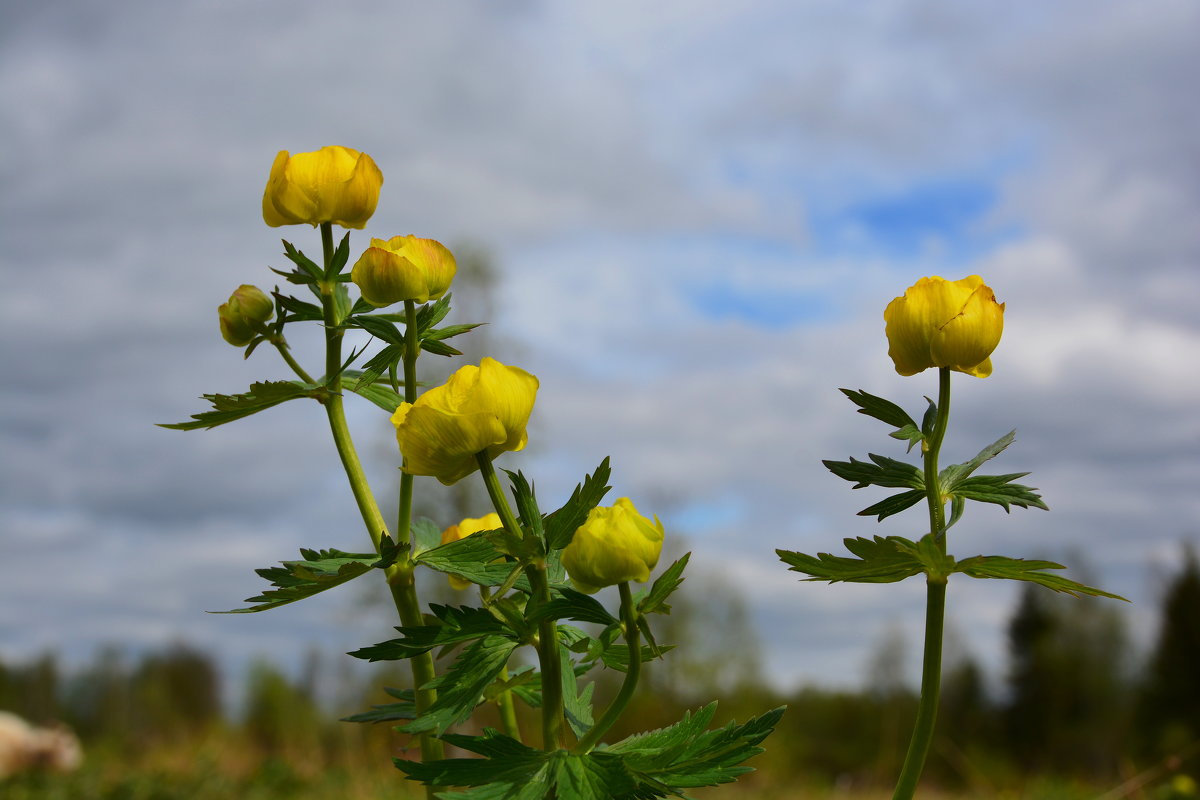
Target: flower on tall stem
403	268
480	409
941	323
334	184
615	544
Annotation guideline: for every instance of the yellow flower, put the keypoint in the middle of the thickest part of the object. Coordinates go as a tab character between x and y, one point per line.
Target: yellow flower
334	184
615	544
244	314
940	323
403	268
469	527
479	409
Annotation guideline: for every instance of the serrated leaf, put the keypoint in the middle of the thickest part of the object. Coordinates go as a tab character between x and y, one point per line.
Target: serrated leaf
879	560
527	507
303	262
461	687
439	348
952	475
457	624
575	606
473	558
893	505
930	418
389	712
319	571
383	361
424	534
1000	490
383	396
934	562
562	524
340	256
616	657
664	585
230	407
880	471
577	705
1019	569
888	412
297	310
379	328
431	314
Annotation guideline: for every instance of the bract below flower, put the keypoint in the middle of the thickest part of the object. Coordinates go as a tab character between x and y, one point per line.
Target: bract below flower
244	315
480	409
403	268
469	527
334	184
941	323
615	544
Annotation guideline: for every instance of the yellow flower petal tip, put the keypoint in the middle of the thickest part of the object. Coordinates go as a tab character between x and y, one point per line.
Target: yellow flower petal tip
403	268
481	409
615	544
941	323
334	184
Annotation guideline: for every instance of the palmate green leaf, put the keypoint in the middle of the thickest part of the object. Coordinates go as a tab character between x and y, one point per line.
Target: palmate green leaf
573	605
562	524
406	708
654	601
378	327
461	687
880	471
431	314
457	624
879	560
888	412
230	407
1019	569
472	558
303	263
1000	490
686	755
386	360
296	310
319	571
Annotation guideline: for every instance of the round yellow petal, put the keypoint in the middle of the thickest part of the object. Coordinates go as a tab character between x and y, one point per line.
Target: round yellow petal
940	323
615	544
334	184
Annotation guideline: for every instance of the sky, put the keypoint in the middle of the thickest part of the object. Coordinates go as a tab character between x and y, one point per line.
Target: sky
697	212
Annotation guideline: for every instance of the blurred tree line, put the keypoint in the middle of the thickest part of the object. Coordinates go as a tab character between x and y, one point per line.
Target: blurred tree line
1075	703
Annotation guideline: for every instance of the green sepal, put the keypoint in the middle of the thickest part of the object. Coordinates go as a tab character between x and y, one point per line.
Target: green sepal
230	407
654	601
887	412
562	524
686	755
1000	490
405	709
457	624
462	686
883	471
879	560
318	571
1019	569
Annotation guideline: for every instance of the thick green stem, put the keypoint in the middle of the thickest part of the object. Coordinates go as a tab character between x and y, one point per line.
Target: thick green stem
399	581
935	607
619	704
553	717
508	710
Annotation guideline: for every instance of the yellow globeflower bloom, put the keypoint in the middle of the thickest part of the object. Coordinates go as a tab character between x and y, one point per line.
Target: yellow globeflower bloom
403	268
469	527
479	409
244	314
614	545
334	184
940	323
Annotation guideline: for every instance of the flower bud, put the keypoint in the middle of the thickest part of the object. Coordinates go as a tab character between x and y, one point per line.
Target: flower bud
333	184
479	409
244	315
614	545
403	268
469	527
940	323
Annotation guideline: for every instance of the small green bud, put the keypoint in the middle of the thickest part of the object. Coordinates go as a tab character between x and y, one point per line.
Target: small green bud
244	315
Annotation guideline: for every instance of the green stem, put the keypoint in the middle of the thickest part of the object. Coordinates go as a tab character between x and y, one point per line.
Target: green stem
617	708
935	607
399	581
508	710
547	645
282	346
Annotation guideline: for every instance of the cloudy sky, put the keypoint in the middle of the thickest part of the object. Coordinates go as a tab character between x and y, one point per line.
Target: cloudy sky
697	211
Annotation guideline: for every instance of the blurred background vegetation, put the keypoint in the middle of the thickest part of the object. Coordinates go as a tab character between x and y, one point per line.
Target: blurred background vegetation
1077	715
